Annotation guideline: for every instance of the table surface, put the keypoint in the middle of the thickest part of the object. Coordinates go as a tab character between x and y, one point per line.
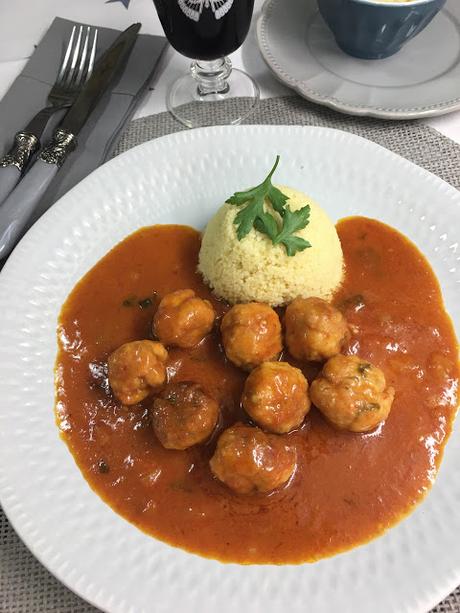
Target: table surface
23	23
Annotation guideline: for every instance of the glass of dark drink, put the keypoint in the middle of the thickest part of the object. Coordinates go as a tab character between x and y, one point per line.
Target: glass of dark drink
207	31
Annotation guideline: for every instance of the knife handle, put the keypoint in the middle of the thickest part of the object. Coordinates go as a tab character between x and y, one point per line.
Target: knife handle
9	177
13	163
21	203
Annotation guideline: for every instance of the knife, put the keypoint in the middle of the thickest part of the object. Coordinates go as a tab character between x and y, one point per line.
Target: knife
20	204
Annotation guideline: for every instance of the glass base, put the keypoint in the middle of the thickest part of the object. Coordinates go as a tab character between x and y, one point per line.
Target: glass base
203	97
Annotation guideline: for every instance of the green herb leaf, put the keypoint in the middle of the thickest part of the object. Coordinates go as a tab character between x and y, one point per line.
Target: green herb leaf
145	303
142	303
247	216
254	215
266	224
292	222
294	244
242	197
278	199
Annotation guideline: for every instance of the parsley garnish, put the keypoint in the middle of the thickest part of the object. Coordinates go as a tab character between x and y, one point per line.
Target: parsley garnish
255	215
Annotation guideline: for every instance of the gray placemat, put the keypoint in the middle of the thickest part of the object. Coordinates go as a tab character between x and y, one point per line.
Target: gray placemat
411	139
25	585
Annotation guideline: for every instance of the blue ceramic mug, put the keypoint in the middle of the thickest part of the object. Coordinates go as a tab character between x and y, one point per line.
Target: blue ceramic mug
373	30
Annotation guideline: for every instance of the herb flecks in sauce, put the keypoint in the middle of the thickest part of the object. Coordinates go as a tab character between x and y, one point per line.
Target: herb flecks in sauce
103	467
368	406
255	215
363	368
142	303
347	488
130	301
145	303
355	302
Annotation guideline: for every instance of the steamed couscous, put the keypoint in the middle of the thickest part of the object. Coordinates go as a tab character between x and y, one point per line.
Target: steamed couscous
254	269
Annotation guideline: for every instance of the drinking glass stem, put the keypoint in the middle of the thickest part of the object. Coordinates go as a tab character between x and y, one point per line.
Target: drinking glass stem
212	76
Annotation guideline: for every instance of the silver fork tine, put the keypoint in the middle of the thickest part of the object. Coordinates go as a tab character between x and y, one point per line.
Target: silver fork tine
72	71
93	54
81	69
65	61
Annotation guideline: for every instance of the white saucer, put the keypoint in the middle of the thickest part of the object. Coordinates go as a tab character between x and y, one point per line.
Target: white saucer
422	80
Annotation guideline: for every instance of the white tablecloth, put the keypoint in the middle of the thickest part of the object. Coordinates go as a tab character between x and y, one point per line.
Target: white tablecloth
23	22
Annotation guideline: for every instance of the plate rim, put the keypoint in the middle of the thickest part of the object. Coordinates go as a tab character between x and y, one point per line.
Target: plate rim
41	224
434	110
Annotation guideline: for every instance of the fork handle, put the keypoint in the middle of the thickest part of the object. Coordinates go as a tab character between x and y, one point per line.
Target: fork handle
14	162
21	203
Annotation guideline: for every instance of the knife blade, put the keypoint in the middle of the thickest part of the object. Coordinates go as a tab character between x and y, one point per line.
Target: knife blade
99	81
20	204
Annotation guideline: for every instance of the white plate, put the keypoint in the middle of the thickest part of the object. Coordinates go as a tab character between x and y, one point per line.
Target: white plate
422	80
182	178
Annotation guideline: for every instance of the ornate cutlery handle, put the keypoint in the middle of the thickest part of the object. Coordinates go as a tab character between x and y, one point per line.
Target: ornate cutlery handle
14	162
56	152
25	144
20	204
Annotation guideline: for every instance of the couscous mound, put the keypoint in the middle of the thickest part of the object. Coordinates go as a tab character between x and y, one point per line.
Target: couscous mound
254	269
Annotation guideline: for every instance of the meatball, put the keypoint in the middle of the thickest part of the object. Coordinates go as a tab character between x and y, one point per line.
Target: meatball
184	415
352	394
315	330
276	396
136	369
248	460
251	334
182	319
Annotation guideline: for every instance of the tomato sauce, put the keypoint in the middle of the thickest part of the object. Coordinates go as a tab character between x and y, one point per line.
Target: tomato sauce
348	488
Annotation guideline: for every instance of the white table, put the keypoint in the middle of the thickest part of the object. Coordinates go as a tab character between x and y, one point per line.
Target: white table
23	22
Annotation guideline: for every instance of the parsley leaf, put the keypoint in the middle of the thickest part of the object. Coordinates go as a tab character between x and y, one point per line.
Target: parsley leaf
266	224
292	222
254	210
294	244
277	198
246	217
254	215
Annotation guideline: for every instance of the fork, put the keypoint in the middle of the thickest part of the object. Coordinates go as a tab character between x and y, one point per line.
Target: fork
76	68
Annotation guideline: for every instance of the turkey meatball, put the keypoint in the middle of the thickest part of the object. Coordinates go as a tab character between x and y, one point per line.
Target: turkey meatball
352	394
315	330
182	319
251	334
276	396
136	369
184	415
249	460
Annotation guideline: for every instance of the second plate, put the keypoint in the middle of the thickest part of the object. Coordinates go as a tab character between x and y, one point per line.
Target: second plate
422	80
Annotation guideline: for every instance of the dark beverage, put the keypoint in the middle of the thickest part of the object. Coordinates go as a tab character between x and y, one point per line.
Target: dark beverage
205	29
